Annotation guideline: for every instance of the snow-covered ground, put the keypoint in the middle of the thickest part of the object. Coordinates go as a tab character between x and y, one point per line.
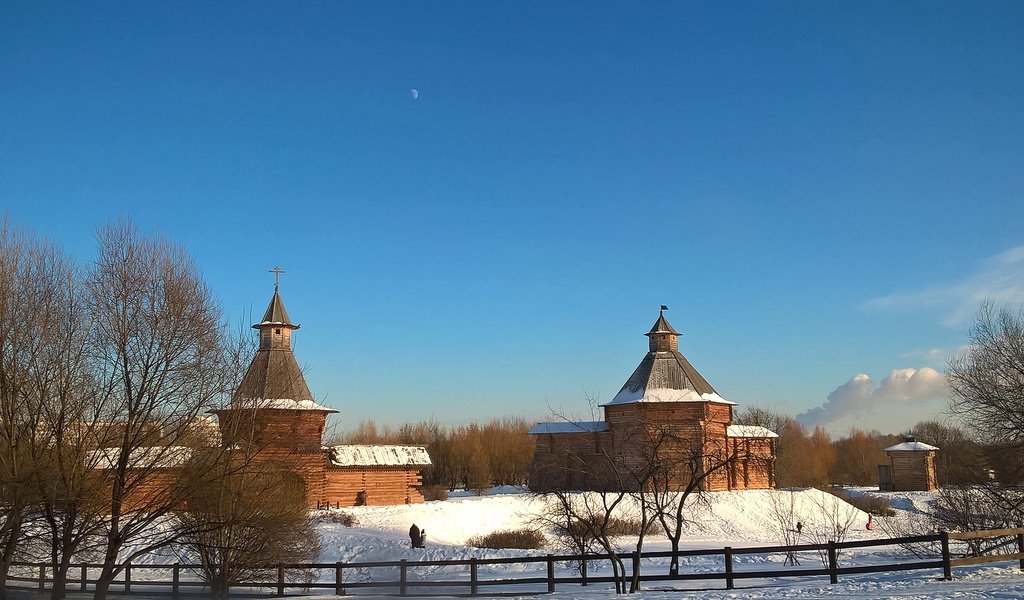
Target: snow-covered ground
737	519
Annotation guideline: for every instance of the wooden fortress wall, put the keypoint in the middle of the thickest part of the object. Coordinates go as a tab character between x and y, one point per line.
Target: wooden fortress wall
638	433
372	486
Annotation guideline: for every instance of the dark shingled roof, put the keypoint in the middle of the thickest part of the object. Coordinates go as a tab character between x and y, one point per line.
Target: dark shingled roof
662	326
276	314
273	375
665	370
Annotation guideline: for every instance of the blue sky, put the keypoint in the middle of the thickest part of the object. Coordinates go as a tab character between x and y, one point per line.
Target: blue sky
817	190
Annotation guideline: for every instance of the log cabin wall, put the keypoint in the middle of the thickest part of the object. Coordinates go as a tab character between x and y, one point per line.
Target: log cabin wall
288	430
149	490
372	486
753	465
913	471
578	460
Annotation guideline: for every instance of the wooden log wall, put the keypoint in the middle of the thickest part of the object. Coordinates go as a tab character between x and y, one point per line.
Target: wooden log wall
913	471
293	430
372	486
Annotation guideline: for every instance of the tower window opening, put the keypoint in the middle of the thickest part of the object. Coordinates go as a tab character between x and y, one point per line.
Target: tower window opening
277	331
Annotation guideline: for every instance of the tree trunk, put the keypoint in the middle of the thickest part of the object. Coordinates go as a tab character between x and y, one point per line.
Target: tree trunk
107	575
673	565
219	585
60	575
14	532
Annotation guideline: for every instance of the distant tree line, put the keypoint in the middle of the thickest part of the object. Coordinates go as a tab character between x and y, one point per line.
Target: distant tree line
473	457
814	458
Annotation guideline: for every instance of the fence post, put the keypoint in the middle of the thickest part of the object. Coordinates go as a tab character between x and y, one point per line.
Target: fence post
85	577
127	577
403	577
583	570
1020	549
551	573
728	568
339	580
175	578
280	580
947	566
42	576
474	587
833	563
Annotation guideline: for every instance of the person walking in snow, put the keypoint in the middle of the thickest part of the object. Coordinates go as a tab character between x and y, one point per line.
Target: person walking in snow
423	538
414	536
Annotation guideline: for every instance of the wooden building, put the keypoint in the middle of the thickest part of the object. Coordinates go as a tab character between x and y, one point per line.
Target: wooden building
911	467
274	418
665	417
274	411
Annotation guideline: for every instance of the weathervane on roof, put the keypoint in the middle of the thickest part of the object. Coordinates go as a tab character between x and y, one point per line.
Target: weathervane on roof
663	309
277	276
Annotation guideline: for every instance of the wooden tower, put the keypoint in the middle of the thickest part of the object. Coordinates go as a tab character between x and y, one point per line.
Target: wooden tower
911	467
272	411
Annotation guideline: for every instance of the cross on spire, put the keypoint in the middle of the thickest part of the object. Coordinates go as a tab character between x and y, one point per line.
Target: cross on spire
277	276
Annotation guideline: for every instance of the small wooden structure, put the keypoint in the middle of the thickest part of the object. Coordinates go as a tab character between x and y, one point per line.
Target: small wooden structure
911	467
665	411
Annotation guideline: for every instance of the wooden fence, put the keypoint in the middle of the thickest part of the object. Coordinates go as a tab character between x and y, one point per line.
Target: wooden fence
341	580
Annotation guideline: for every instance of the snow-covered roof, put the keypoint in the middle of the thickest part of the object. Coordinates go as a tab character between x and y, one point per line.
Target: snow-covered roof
568	427
366	455
750	431
280	403
665	395
148	457
911	447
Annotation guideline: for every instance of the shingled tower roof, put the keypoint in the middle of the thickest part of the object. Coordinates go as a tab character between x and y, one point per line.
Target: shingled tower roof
276	314
664	375
274	379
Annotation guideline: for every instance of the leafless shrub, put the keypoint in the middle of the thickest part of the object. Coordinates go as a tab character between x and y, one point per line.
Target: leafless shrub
874	505
434	492
338	517
787	522
832	520
522	539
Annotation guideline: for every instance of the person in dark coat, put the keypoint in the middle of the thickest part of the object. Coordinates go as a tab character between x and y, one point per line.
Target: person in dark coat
414	536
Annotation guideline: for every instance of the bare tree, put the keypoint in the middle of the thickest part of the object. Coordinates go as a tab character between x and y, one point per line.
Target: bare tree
681	473
787	521
43	330
987	385
251	516
832	520
25	265
159	359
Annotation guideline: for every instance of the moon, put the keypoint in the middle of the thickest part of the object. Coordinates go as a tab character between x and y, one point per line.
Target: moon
415	93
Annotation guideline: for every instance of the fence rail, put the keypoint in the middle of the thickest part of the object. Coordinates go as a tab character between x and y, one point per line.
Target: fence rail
340	581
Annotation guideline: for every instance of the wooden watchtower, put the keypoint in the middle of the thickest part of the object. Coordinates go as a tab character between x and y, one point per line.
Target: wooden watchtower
911	467
273	411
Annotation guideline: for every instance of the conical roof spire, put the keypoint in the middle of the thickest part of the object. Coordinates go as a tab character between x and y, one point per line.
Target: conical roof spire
276	315
662	325
664	375
274	379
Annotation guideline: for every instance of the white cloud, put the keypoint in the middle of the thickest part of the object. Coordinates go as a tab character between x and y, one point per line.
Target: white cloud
900	392
999	278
